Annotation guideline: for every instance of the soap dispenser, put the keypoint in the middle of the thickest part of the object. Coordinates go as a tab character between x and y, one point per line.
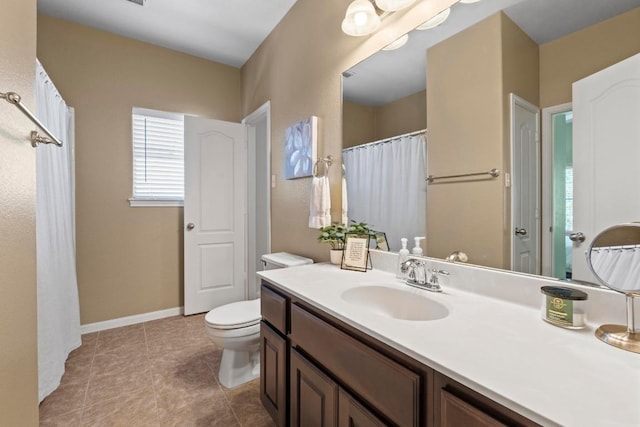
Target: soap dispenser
403	254
417	250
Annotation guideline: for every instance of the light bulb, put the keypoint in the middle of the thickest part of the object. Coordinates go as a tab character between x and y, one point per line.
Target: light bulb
360	18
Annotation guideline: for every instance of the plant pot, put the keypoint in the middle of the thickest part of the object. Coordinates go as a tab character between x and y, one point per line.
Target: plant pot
336	256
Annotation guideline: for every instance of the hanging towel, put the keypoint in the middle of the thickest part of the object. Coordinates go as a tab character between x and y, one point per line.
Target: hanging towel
345	202
320	205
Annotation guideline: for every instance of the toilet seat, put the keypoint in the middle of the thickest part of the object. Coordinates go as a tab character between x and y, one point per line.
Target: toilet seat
241	314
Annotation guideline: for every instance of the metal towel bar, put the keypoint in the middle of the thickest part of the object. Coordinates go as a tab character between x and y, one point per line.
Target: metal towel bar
15	99
493	172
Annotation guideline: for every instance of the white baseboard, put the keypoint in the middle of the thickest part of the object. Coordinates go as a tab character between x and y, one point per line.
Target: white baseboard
130	320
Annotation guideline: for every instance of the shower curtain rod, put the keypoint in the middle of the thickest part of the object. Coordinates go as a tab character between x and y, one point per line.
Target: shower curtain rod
382	141
15	99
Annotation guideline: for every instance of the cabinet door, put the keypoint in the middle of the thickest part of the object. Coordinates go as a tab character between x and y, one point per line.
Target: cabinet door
273	374
352	414
456	412
314	396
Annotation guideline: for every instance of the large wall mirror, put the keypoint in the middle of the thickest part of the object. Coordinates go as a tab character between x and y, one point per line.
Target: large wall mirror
492	85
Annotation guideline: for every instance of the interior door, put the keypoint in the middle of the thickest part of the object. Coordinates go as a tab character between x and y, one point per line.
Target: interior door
214	213
525	195
606	151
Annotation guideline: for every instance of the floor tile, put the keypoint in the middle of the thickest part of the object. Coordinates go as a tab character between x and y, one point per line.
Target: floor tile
66	398
195	321
245	403
114	339
165	329
198	413
157	373
114	375
129	409
70	419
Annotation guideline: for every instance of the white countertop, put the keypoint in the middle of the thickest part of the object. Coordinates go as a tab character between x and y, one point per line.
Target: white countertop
502	349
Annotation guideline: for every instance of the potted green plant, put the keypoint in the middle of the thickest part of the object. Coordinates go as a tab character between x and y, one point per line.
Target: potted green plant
334	235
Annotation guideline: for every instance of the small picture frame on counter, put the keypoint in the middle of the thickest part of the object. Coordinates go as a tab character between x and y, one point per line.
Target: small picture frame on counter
381	242
356	252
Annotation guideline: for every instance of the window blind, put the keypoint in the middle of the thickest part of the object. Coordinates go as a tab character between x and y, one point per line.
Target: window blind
158	157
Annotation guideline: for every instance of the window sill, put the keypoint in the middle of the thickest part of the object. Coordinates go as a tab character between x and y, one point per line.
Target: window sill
144	203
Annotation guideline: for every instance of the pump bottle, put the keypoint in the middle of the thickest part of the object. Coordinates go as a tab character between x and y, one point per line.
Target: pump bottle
417	250
403	254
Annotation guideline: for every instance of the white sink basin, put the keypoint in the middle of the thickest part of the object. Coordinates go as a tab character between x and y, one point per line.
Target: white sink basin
396	303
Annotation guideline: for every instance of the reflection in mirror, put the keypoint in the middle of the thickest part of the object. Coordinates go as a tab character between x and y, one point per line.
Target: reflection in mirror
456	80
614	258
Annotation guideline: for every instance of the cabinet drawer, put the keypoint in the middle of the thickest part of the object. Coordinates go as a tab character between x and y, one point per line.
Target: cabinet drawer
273	308
386	385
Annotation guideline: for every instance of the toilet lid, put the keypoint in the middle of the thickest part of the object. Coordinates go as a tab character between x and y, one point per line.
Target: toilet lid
234	315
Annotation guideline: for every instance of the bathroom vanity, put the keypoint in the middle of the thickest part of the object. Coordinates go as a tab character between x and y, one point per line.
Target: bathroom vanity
331	359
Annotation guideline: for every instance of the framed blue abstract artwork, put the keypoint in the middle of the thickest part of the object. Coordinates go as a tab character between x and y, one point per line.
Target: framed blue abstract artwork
300	148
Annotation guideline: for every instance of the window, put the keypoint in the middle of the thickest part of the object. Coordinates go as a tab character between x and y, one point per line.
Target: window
158	158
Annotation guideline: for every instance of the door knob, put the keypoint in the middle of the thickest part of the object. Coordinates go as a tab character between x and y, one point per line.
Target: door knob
577	237
190	226
521	232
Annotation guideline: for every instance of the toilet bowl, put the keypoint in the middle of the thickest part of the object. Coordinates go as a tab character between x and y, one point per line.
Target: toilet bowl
235	328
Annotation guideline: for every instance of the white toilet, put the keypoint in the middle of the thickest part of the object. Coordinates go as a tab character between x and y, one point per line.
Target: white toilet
235	328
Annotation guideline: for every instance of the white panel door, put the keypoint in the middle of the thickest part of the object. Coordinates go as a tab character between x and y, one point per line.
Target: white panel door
606	154
525	195
214	213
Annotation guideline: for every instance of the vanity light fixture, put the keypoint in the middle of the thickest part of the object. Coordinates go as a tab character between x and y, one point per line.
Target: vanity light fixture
436	20
398	43
361	18
393	5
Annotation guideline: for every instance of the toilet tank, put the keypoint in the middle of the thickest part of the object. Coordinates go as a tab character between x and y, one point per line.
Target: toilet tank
283	260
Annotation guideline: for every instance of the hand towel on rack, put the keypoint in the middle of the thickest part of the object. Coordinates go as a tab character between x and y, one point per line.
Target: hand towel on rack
320	204
345	202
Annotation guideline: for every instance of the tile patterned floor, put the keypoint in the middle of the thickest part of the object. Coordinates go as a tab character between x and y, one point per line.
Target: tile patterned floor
159	373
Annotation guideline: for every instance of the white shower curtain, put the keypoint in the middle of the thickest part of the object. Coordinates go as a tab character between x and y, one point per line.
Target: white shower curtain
618	266
58	307
387	188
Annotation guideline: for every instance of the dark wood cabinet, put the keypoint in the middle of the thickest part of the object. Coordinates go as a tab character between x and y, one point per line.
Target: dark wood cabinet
388	386
319	371
457	405
352	414
457	412
314	396
273	373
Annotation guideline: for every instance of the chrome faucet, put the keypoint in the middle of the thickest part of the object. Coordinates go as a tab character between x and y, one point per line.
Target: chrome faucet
434	283
457	256
416	271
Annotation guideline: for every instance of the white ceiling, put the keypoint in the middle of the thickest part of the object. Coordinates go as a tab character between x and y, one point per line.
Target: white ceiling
225	31
391	75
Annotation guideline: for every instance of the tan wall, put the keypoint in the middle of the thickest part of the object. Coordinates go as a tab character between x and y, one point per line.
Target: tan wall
129	260
299	69
405	115
358	124
520	75
464	113
362	124
584	52
18	328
